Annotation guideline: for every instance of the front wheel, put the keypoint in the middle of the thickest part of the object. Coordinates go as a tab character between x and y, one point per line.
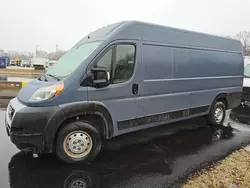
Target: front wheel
78	142
217	113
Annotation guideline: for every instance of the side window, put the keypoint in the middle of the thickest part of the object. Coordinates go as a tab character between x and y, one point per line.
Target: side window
106	60
119	61
124	62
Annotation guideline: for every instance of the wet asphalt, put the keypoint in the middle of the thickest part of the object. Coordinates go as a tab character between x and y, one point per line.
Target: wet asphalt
153	158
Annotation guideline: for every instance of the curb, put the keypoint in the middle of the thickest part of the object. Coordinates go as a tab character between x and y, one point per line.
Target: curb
9	86
7	97
247	148
12	85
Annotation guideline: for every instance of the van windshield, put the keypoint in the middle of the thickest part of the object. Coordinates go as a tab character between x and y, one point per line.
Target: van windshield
247	71
72	59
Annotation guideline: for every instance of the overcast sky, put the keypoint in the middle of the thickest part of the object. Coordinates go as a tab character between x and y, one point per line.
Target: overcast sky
25	23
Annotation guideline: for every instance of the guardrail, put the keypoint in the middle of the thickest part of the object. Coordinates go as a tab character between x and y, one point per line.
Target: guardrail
12	85
9	90
21	72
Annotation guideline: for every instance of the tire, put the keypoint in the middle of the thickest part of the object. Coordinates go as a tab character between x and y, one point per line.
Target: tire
82	179
219	119
217	135
78	142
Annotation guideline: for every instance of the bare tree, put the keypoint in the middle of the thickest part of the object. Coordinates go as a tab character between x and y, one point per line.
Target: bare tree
13	54
56	55
42	53
244	37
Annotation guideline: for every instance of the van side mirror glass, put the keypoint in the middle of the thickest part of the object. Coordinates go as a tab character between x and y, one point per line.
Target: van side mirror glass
101	77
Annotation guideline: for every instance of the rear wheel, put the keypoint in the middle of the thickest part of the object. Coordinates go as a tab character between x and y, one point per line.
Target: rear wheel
78	142
217	113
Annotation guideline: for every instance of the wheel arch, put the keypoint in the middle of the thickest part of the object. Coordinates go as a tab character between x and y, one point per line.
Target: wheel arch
221	97
85	111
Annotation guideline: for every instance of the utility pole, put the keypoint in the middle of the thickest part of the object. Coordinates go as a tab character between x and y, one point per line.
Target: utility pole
37	49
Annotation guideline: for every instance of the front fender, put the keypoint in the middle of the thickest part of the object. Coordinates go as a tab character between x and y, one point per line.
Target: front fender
74	109
83	108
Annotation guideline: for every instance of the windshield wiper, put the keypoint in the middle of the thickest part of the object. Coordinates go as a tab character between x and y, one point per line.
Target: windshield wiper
44	78
53	76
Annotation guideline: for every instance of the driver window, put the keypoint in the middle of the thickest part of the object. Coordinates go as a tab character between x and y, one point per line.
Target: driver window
106	60
119	61
124	63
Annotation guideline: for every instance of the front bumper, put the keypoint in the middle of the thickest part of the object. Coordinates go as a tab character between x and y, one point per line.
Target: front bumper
32	127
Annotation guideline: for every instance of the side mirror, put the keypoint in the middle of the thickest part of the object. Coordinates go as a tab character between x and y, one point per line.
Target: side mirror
101	77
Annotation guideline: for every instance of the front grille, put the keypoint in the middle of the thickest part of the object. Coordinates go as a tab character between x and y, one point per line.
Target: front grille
17	130
11	112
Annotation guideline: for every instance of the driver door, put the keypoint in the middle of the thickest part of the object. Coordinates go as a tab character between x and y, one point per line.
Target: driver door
120	97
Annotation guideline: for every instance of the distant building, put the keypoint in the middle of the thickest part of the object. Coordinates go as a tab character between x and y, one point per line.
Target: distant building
1	52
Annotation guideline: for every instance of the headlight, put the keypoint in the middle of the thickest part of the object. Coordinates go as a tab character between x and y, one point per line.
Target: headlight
46	93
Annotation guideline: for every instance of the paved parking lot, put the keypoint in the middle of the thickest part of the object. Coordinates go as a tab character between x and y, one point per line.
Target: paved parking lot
158	157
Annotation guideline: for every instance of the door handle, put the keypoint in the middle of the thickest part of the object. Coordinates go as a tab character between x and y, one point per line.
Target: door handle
135	88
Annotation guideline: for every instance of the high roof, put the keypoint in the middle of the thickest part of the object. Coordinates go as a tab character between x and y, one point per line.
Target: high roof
164	35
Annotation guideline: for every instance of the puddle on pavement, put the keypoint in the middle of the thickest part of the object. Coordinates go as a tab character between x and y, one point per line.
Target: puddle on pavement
241	114
118	164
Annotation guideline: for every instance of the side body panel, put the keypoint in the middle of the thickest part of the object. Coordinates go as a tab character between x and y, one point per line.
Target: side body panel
180	80
177	78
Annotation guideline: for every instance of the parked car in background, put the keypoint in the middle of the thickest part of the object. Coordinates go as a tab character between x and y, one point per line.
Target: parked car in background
39	63
25	63
12	63
123	78
50	63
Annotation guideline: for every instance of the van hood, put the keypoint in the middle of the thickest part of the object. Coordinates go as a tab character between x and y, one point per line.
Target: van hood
246	82
30	88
